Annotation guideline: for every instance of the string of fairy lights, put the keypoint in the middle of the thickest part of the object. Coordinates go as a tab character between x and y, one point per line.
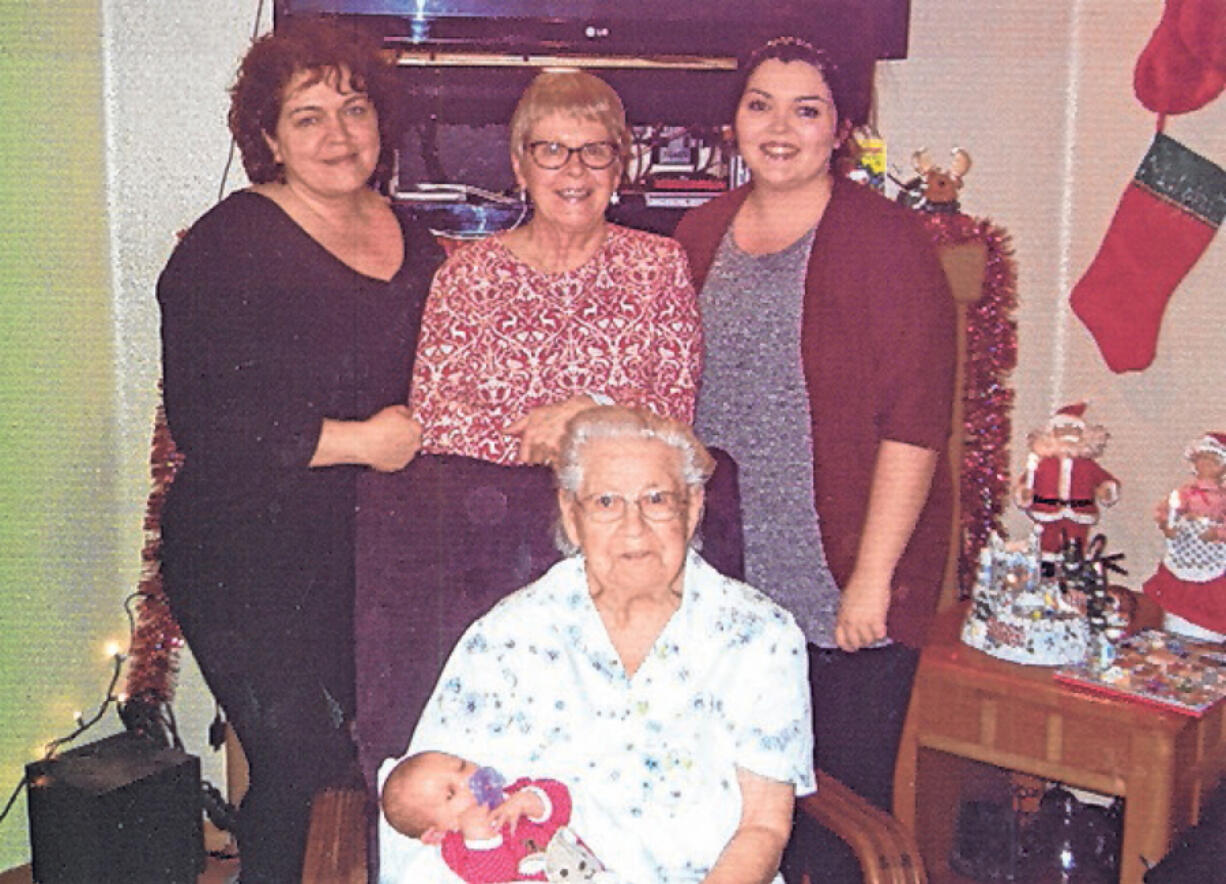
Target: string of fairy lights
117	658
155	641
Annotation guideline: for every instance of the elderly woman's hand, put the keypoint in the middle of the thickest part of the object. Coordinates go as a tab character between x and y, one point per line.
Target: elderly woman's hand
754	851
540	431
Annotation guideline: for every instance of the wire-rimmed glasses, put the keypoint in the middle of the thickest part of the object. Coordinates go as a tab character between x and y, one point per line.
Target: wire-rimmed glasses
656	506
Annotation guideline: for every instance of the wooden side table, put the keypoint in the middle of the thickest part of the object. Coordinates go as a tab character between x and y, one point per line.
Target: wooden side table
968	706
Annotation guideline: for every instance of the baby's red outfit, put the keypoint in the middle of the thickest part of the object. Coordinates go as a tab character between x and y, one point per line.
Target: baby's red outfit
498	859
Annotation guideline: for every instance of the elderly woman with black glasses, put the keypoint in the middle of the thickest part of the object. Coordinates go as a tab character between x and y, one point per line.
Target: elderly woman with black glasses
524	329
672	700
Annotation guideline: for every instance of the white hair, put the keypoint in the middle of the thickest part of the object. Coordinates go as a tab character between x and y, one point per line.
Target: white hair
619	422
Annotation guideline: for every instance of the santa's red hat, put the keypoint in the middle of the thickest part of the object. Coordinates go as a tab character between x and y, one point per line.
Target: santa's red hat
1069	415
1210	443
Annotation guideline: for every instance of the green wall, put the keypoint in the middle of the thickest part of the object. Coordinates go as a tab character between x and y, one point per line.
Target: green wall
62	574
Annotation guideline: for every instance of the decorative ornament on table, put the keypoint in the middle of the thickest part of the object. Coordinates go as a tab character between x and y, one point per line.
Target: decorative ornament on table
935	189
1069	615
1064	486
1083	578
1190	583
1019	616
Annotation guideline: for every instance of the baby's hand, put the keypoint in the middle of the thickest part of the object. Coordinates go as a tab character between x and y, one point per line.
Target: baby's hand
477	823
525	802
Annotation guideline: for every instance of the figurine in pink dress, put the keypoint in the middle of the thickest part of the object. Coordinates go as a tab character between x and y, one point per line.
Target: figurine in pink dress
1191	579
1064	486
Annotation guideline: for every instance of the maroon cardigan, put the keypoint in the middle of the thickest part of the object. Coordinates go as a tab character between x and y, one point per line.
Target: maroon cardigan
877	342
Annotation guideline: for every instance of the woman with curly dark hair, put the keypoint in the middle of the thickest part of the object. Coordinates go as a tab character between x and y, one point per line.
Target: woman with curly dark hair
290	314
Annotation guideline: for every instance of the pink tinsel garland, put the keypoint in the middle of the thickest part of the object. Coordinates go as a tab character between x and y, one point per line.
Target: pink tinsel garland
991	354
156	639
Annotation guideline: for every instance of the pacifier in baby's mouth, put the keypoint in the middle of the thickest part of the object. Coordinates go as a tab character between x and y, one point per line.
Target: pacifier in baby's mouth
487	786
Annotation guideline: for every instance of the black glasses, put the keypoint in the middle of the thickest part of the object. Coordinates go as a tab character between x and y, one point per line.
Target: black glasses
595	155
656	506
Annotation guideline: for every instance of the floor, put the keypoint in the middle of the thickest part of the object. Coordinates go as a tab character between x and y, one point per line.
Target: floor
216	871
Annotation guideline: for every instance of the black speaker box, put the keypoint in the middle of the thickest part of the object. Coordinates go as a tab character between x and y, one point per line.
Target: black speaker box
119	810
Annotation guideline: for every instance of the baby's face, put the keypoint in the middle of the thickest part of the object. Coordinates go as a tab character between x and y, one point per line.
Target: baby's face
444	787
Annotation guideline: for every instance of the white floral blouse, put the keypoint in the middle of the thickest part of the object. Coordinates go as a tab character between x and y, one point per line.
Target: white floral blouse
535	688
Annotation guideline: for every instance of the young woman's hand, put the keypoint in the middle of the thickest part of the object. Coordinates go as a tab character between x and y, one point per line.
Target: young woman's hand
393	438
386	441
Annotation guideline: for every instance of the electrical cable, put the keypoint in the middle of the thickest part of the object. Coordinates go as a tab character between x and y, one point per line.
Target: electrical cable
12	798
225	172
164	716
427	142
85	724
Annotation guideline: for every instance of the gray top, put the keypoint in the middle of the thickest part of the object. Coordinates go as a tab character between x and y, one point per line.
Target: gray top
753	403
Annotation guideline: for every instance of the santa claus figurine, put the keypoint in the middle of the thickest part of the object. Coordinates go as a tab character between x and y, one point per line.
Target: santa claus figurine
1190	583
1063	486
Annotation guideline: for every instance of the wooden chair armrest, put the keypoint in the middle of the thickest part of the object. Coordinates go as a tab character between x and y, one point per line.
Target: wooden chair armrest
336	839
887	852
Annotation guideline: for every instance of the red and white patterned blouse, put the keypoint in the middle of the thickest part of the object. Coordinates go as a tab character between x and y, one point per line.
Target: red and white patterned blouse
500	338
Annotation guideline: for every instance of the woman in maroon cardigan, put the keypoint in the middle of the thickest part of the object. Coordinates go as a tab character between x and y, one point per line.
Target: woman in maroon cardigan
828	375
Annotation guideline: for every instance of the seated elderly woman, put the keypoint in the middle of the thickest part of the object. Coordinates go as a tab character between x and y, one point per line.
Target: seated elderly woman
672	700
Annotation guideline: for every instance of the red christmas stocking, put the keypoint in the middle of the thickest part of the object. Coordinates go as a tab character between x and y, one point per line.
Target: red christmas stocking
1202	27
1179	68
1169	212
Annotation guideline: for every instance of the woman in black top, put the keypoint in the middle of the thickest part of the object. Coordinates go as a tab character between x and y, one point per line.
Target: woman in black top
289	321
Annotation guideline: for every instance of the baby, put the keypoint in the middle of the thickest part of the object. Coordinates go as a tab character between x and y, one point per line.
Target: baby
487	833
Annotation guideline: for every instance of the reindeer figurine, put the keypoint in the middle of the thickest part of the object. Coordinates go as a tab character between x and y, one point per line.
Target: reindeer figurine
935	189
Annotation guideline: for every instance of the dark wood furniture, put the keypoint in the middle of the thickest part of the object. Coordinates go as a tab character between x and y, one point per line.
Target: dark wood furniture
968	707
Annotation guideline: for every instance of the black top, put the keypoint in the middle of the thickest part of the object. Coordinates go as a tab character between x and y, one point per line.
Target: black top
264	334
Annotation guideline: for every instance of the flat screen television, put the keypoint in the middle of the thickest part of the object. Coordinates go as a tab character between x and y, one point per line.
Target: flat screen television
663	27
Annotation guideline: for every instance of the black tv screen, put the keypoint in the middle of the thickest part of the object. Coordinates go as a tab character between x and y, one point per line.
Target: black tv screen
668	27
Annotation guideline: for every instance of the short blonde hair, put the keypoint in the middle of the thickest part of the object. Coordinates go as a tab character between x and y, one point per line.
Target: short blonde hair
571	93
